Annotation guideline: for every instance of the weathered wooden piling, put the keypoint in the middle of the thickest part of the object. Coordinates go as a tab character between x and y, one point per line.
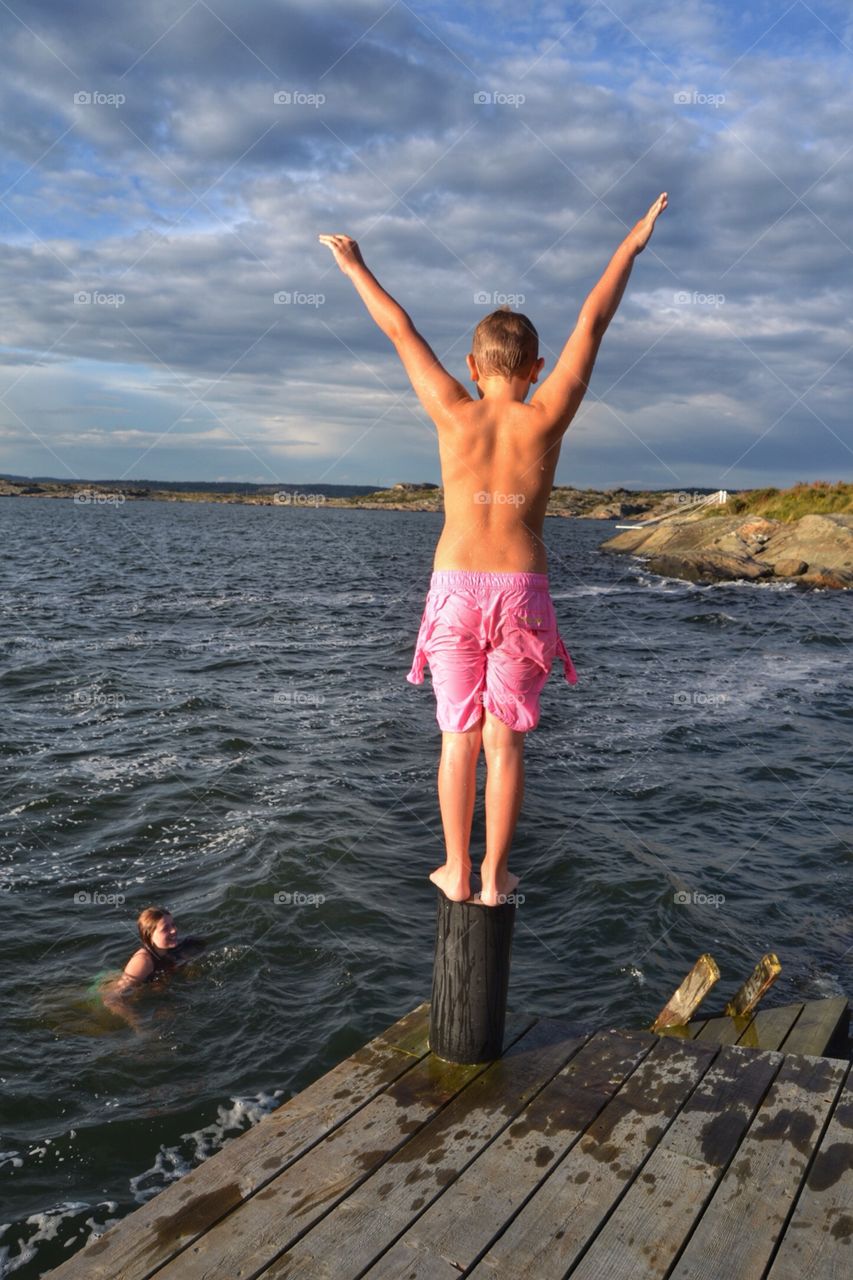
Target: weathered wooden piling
470	980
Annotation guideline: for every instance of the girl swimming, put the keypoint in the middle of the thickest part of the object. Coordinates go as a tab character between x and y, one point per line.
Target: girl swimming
161	951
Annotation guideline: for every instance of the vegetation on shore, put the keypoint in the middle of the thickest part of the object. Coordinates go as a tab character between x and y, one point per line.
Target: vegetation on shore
814	498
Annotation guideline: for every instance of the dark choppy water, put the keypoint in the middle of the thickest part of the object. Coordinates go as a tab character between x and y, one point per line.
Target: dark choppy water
206	706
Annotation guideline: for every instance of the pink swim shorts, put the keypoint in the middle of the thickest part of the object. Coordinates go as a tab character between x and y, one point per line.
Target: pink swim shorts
490	640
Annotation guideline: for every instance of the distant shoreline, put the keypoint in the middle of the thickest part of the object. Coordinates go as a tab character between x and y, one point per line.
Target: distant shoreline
595	504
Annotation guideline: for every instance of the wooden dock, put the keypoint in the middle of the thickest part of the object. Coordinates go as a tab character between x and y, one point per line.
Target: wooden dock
600	1155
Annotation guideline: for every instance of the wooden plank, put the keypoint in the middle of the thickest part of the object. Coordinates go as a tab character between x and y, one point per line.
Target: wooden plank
769	1027
247	1241
739	1228
460	1224
822	1026
818	1241
552	1230
646	1230
759	981
689	995
153	1234
367	1222
724	1030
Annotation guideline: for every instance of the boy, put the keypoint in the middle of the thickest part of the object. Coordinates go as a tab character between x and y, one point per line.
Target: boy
489	629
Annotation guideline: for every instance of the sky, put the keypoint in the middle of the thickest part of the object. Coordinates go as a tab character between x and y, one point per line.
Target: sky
166	311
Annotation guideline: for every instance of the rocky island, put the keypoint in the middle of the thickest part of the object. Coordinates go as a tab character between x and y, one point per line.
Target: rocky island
756	536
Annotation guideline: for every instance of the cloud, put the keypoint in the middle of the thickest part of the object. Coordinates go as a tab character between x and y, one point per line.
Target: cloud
198	199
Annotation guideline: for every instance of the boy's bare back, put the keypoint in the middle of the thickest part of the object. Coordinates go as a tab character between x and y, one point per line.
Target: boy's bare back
498	459
498	454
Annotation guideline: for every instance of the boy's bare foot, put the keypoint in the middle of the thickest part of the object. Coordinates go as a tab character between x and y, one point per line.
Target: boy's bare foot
494	893
455	885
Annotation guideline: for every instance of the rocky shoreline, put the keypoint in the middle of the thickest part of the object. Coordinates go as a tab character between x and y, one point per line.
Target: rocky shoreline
814	551
589	504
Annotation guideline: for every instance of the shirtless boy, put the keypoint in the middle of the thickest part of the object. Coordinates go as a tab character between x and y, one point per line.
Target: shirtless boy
489	630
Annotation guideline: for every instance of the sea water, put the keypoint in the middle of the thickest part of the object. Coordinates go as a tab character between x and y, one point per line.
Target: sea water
205	707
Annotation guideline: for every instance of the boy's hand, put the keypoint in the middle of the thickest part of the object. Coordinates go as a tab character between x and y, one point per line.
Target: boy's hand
346	251
641	233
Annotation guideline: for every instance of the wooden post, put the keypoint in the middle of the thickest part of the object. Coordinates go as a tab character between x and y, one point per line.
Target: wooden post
470	980
683	1002
763	976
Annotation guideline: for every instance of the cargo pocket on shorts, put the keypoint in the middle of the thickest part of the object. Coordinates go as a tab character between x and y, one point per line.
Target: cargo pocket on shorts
529	635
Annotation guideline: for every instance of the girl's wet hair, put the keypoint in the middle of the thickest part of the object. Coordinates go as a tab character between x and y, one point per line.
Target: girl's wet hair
505	343
148	921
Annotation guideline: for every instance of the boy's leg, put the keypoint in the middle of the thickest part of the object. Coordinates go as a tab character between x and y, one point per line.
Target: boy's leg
457	785
504	748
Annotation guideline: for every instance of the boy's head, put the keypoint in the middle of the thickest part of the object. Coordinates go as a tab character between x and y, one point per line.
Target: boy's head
505	345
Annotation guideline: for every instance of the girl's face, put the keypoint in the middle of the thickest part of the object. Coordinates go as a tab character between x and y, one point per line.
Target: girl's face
165	935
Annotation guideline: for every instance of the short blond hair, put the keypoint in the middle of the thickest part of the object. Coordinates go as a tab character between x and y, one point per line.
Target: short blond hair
505	343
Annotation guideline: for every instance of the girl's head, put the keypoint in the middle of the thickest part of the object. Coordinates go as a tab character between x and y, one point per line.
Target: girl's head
157	928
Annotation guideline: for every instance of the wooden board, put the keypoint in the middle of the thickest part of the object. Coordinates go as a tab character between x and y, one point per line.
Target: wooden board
738	1229
459	1227
600	1155
646	1230
822	1028
182	1212
818	1242
273	1219
552	1230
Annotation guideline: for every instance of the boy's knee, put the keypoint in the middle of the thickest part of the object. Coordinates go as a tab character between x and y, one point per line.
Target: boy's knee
497	734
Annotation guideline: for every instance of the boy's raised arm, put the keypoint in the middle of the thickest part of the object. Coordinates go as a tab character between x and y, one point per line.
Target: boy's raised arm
563	390
436	389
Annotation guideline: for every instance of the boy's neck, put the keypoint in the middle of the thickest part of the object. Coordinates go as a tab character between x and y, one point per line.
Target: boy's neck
503	389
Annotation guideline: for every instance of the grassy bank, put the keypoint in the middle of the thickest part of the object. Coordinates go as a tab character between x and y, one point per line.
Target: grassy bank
816	498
